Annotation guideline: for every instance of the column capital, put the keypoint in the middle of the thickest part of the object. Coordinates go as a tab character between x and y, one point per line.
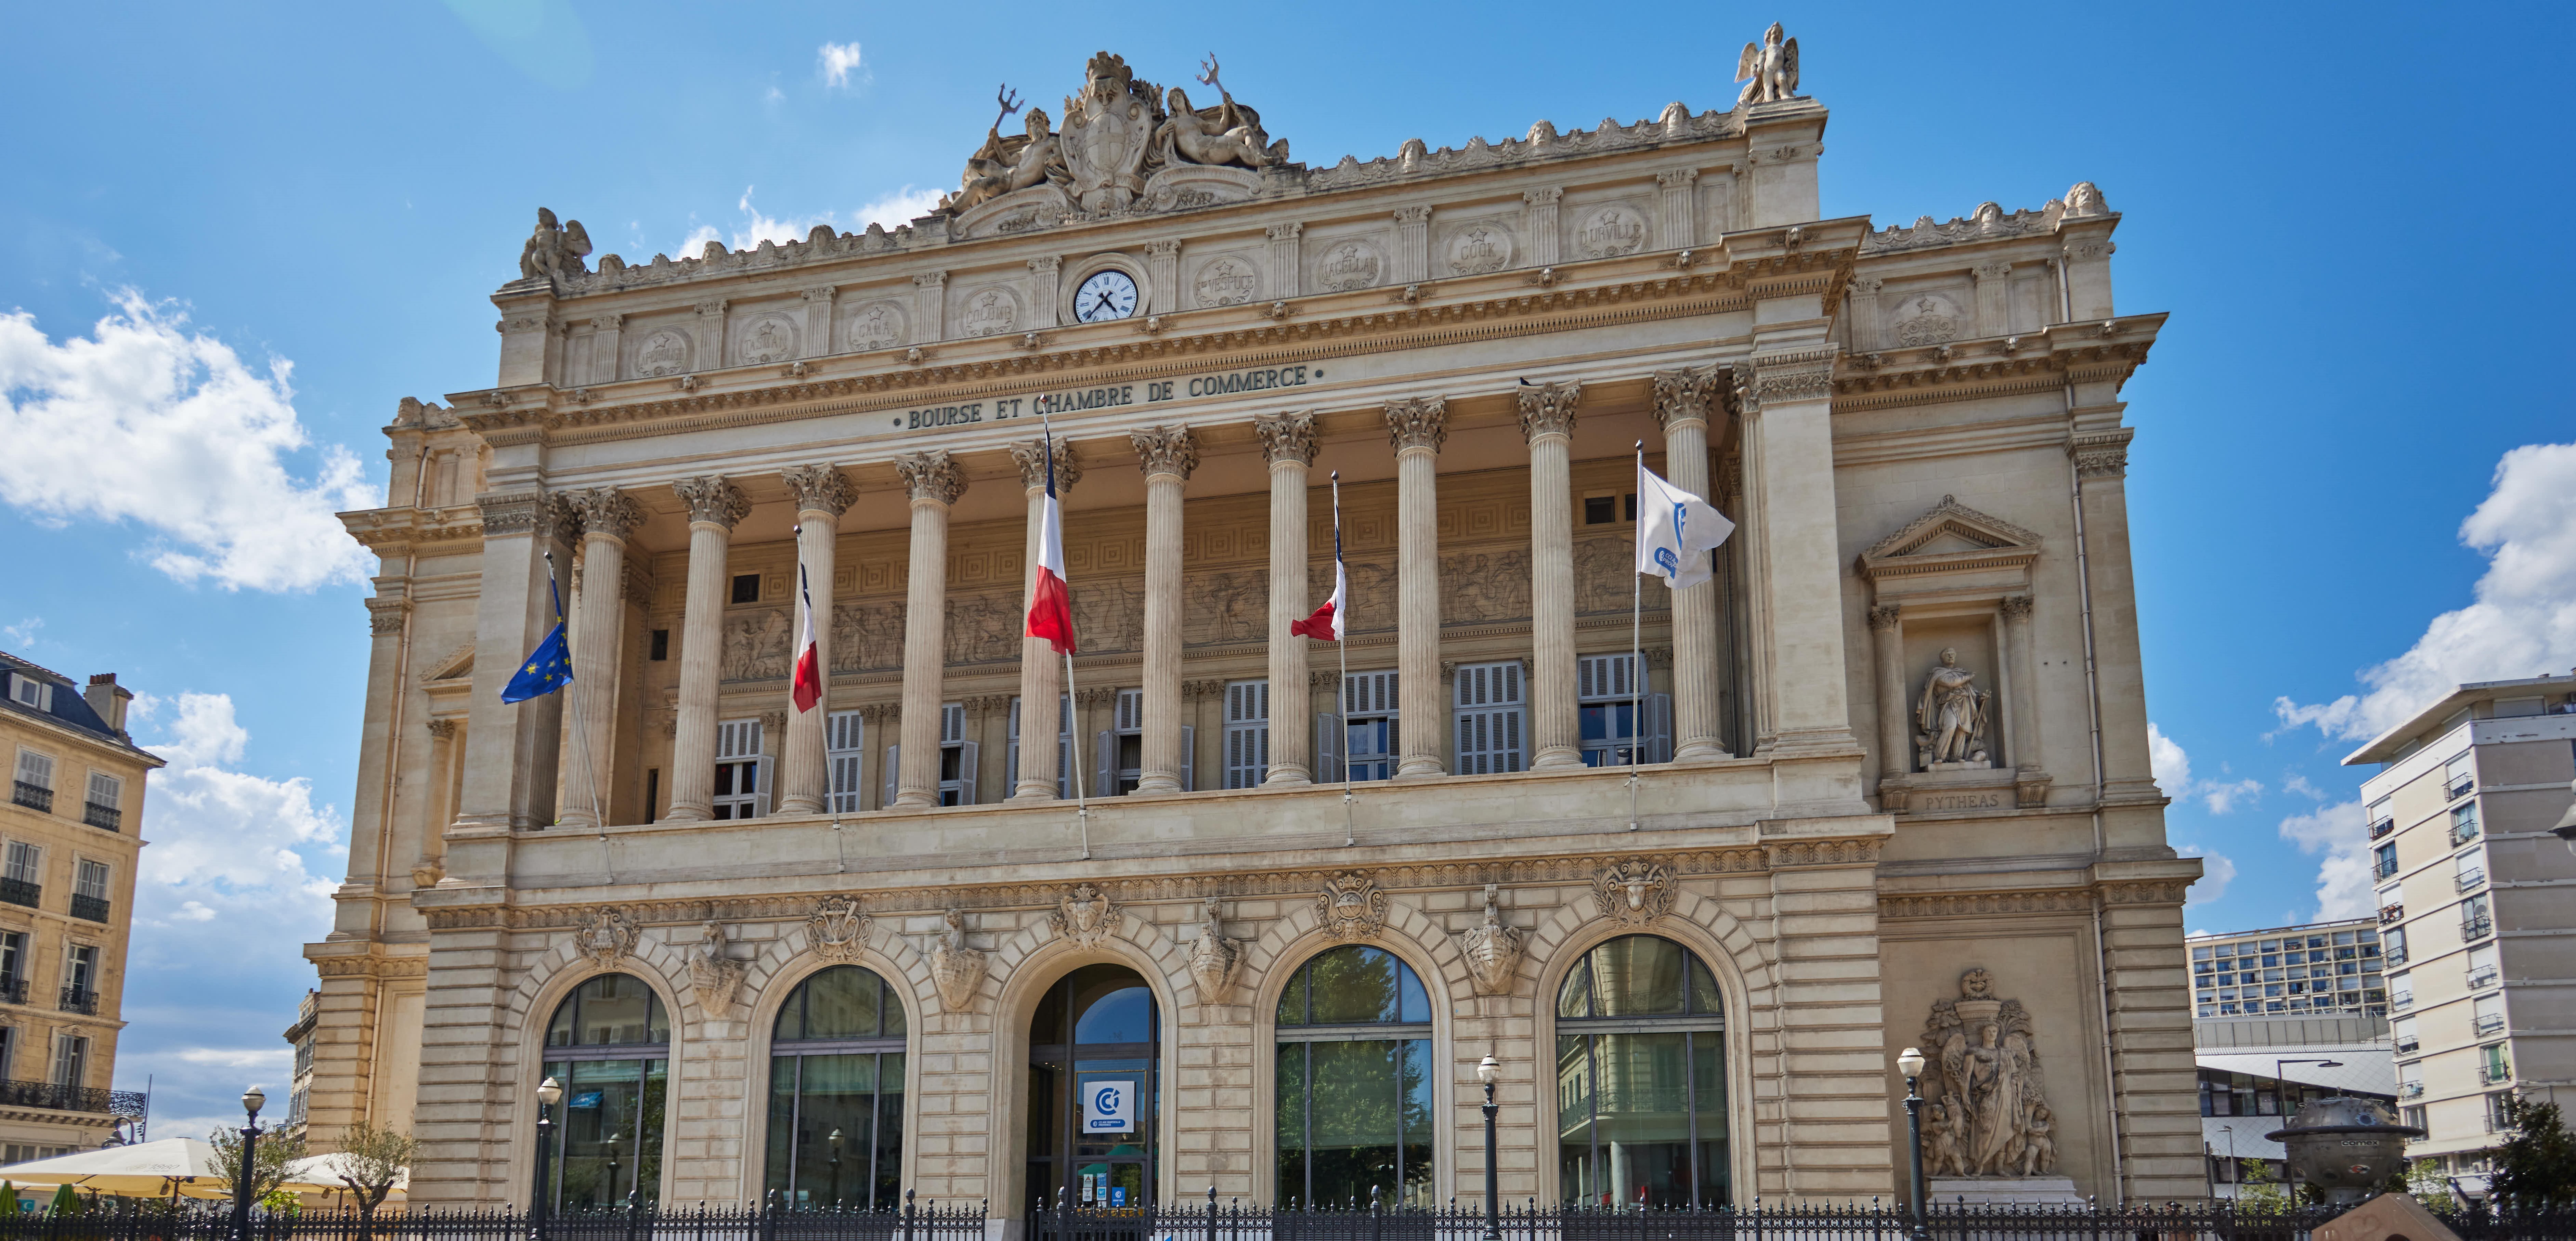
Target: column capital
932	475
1683	395
1047	264
822	293
818	488
930	280
2017	607
1888	616
1165	450
1031	455
1418	422
1543	197
1674	178
1996	270
604	511
1283	232
441	730
713	308
1794	375
711	498
1165	248
1418	214
1288	437
607	323
385	616
540	513
2100	456
1548	409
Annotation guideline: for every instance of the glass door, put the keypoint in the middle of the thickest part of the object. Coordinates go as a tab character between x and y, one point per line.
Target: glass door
1094	1091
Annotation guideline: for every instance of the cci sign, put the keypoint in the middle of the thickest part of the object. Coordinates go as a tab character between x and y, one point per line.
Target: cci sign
1109	1107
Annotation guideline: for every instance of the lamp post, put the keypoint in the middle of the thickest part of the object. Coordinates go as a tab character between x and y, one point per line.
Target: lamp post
1487	1070
2230	1131
611	1199
1910	1063
252	1100
835	1140
549	1093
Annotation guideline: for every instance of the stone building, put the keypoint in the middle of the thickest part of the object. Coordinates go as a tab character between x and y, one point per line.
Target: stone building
68	847
975	930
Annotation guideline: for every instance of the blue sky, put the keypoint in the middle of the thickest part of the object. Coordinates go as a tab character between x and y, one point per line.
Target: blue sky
232	237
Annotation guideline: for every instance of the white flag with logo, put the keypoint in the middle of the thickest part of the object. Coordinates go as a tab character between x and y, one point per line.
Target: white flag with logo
1675	532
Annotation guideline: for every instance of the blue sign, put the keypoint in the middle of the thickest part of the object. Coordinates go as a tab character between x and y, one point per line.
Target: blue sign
1110	1107
587	1098
1117	1195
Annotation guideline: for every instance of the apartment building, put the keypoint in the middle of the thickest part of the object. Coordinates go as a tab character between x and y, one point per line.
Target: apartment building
2320	969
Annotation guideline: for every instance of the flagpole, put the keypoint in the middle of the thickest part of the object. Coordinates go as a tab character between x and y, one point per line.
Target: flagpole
580	735
1072	752
1636	656
1342	686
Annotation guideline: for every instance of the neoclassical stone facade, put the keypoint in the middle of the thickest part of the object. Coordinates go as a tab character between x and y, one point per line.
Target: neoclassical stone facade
1899	736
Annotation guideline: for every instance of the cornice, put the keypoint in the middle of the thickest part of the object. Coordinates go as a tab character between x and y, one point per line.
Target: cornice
2039	361
405	531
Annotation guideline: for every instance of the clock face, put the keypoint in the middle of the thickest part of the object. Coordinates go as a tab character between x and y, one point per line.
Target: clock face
1107	295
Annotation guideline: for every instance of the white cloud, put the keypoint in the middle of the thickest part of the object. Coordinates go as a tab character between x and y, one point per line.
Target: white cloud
2338	834
838	60
2217	870
145	422
239	1057
23	634
2296	783
2523	623
229	844
2172	767
897	208
892	209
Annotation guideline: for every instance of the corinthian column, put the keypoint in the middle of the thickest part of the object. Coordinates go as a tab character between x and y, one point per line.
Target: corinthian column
1041	687
804	784
1418	427
1547	422
1681	405
934	482
1167	455
714	507
607	517
1288	442
1895	729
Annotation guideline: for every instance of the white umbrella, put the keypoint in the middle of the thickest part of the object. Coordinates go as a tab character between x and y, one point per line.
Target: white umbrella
321	1173
171	1164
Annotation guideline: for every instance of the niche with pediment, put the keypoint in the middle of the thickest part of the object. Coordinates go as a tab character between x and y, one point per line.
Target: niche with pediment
1958	720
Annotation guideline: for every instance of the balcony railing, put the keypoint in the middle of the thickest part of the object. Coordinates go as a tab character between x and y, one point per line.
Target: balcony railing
108	817
2400	1002
2477	928
82	1000
2383	868
2493	1073
2482	978
22	892
2408	1046
58	1096
32	796
89	908
2464	831
2391	913
2396	957
13	990
2459	788
2410	1090
2490	1023
2382	828
2471	878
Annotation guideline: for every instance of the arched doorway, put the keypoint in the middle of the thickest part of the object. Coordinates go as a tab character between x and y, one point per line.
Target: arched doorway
1353	1087
609	1046
1641	1078
1095	1089
836	1106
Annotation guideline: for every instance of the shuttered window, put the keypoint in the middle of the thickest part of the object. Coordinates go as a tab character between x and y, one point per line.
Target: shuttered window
742	770
1488	711
845	743
1247	733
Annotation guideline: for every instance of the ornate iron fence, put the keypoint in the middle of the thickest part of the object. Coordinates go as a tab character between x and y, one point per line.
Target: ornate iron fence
129	1219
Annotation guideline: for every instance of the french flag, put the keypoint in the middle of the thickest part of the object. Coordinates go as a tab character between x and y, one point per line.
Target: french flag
1050	599
1327	624
808	687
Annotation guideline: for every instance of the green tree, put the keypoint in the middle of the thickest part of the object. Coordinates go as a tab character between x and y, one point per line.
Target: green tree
2535	1169
2428	1184
371	1160
268	1166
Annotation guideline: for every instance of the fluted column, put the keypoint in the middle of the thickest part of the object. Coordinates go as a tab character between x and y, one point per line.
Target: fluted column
714	507
1895	724
1418	427
436	812
1166	455
934	482
1041	675
1288	442
804	782
1547	422
2022	730
1682	400
607	517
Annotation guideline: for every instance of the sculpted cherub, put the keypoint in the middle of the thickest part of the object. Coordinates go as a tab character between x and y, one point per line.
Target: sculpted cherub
1772	65
553	250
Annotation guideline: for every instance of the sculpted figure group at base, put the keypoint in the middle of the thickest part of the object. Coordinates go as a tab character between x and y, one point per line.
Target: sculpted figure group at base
1989	1113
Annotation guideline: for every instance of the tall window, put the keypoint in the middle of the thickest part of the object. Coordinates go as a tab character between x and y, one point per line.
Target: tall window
71	1058
1371	734
956	762
845	741
1118	752
1354	1082
1641	1078
742	770
1610	692
1247	734
1488	711
836	1092
609	1046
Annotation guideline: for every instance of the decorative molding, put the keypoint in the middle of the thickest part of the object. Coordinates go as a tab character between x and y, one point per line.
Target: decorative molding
1165	450
714	977
604	511
1887	616
956	969
1824	853
1684	395
836	929
1993	543
1548	409
2148	892
371	967
1214	960
1803	375
2017	607
2103	455
1979	904
1352	906
1634	892
711	498
818	489
1200	691
931	476
1286	437
522	512
386	616
1085	916
606	936
1418	422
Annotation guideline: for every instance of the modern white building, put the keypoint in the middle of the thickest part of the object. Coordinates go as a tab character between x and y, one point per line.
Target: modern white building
2320	969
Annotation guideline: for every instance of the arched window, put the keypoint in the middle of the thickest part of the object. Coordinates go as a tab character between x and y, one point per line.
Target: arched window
836	1092
609	1046
1354	1082
1641	1077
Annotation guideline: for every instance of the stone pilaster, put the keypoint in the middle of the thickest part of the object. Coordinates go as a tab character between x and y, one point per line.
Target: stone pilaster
607	365
804	784
2101	468
1676	222
1682	402
1418	427
1162	276
2022	731
2153	1072
1285	265
934	482
607	517
818	321
436	811
510	748
1288	443
1864	313
1045	277
929	307
711	336
1041	675
1832	1020
1800	551
1538	219
1166	455
1412	244
1547	423
1895	728
715	506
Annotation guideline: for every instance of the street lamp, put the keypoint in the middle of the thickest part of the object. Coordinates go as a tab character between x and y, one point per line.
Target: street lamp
611	1200
1910	1063
835	1140
1487	1070
549	1093
252	1100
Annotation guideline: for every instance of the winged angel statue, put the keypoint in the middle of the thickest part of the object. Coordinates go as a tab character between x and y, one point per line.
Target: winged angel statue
1772	65
553	250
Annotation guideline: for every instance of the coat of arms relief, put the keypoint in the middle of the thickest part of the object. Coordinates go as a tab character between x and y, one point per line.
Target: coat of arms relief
1086	916
1125	145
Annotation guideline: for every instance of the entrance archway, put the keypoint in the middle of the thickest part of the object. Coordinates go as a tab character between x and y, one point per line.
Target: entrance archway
1095	1090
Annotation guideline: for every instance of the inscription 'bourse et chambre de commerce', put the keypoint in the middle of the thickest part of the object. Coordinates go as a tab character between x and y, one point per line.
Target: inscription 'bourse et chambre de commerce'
1692	865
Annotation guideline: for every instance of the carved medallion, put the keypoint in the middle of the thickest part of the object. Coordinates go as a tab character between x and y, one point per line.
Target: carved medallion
877	325
1086	916
715	977
606	936
1352	907
1493	951
955	968
1349	265
1986	1112
837	929
1215	960
1612	230
662	353
769	338
1480	248
1634	892
990	312
1929	319
1227	281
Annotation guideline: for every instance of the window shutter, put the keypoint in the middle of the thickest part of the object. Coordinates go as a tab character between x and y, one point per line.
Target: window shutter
893	777
1011	759
845	744
764	770
1328	748
1131	710
952	723
105	790
1487	700
1659	728
966	773
1064	747
1247	734
1189	758
36	769
1104	774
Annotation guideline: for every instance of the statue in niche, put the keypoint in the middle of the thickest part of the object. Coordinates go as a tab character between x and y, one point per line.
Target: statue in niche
1993	1120
1227	134
1951	715
1005	165
553	251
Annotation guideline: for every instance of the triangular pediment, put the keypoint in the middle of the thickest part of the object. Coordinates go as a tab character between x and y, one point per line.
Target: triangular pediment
1950	535
456	665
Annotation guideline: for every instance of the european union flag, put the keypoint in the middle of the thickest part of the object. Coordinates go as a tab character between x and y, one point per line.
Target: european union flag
549	667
